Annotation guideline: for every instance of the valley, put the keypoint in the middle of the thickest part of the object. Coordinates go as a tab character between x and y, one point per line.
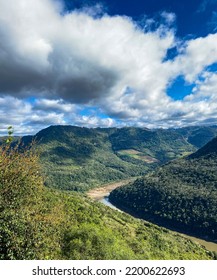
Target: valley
75	168
79	158
101	194
180	194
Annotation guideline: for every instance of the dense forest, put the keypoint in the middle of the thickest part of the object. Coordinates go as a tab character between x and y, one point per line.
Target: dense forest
181	194
37	222
78	158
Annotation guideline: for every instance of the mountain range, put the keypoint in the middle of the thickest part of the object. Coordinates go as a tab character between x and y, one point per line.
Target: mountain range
45	213
78	158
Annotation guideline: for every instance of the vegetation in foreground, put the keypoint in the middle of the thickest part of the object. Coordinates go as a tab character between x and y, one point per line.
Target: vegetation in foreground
41	223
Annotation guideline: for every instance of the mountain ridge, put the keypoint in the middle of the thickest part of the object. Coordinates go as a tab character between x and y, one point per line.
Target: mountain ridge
79	158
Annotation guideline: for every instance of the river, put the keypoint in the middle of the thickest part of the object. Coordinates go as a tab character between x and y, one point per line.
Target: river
101	194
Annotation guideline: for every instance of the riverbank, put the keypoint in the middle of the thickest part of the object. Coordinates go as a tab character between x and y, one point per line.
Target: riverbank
101	193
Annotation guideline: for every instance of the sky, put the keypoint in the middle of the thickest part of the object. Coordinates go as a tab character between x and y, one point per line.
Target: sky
107	63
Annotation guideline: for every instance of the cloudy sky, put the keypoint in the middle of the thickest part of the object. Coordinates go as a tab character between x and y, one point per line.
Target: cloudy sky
107	63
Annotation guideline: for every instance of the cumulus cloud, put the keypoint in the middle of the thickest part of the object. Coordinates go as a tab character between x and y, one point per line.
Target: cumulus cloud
27	118
74	56
68	60
198	54
53	105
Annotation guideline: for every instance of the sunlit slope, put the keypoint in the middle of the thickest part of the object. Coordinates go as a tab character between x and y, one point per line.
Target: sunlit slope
76	158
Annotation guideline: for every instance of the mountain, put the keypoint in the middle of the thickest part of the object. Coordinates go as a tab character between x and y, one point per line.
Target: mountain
159	144
181	194
46	224
209	150
78	158
198	136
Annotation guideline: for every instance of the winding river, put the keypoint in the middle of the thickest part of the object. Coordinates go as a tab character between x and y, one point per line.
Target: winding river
101	194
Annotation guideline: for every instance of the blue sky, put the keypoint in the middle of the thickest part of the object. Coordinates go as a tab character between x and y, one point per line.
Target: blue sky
193	18
107	63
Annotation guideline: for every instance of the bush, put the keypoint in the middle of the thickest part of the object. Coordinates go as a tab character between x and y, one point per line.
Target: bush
21	185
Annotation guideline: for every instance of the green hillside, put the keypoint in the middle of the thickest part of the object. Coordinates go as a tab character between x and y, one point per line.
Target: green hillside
181	194
160	144
76	158
41	223
198	136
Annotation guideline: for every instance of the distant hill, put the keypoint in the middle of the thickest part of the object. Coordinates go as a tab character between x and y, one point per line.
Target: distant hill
181	194
209	150
160	144
78	158
198	136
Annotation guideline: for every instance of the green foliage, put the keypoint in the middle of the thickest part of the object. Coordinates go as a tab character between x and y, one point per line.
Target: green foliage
41	223
198	136
181	194
79	158
76	158
20	186
10	133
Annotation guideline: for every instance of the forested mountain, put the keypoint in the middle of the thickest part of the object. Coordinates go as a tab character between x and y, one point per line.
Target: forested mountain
42	223
76	158
181	194
198	136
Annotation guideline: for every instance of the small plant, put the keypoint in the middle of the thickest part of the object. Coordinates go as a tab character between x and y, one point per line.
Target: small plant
10	135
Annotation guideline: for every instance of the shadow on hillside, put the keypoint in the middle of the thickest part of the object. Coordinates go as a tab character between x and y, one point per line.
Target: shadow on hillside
79	154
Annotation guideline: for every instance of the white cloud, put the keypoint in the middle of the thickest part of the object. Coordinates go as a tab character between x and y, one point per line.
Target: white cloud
205	89
74	56
198	54
169	17
54	105
94	121
87	58
25	118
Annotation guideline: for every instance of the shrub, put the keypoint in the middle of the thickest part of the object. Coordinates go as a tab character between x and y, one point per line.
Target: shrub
21	185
